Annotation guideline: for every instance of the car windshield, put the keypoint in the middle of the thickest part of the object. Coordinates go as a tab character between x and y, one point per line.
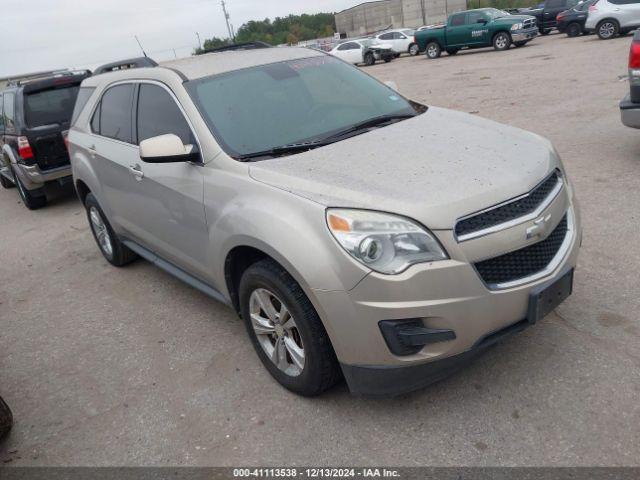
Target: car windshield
494	13
299	101
51	106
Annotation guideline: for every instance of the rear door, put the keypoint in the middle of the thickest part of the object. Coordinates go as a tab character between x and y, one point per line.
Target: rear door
627	12
47	114
458	32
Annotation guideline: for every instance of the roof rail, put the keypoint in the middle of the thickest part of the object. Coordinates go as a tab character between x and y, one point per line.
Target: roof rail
140	62
238	46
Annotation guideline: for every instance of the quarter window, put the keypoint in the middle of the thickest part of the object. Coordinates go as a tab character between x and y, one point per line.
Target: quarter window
9	111
83	97
158	114
115	113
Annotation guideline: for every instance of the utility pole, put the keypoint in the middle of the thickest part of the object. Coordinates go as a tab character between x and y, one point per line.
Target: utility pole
226	19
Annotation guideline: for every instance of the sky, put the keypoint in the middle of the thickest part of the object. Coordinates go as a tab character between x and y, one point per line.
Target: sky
41	35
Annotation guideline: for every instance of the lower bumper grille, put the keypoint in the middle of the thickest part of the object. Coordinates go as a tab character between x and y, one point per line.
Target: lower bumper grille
524	262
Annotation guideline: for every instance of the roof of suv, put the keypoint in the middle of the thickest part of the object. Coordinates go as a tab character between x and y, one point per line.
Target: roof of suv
201	66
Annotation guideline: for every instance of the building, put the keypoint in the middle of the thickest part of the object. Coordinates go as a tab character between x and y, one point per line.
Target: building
370	17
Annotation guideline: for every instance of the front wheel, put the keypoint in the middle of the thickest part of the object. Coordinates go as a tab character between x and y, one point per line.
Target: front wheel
545	31
286	331
502	41
608	29
115	252
414	49
433	50
369	59
574	30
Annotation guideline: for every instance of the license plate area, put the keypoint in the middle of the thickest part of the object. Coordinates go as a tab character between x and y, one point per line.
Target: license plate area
546	298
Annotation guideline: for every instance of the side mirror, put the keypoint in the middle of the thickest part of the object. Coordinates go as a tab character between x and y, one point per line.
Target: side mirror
392	85
167	149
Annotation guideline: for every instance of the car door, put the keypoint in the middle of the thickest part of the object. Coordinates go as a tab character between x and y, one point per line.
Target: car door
388	39
627	12
350	52
458	32
166	203
476	22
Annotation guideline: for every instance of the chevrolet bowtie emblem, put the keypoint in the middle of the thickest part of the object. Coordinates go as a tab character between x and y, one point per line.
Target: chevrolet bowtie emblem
539	227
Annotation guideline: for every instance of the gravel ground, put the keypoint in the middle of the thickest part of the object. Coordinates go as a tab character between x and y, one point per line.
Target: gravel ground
106	366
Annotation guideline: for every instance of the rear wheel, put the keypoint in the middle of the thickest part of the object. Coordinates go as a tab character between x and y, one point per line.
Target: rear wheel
369	59
286	331
433	50
5	182
32	199
545	31
116	253
414	49
607	29
502	41
574	30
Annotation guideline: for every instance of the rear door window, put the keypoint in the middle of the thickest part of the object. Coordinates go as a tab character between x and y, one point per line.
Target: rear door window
115	113
48	107
83	97
159	114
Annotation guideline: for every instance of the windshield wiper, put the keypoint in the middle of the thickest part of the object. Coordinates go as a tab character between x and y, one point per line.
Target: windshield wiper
371	123
305	146
283	150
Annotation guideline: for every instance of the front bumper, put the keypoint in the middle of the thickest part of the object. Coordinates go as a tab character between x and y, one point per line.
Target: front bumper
445	295
524	35
630	112
33	177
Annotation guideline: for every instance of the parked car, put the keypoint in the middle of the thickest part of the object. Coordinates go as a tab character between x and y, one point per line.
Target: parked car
35	115
630	104
401	40
6	419
572	21
608	18
478	28
546	13
363	51
319	204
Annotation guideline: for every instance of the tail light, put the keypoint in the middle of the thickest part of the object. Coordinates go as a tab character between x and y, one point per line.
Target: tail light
65	138
24	149
559	17
594	7
634	58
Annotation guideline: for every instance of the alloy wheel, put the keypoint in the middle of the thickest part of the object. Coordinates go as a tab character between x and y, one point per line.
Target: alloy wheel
432	51
100	230
501	42
276	331
607	30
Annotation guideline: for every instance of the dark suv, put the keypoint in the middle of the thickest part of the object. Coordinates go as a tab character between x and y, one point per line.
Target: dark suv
35	115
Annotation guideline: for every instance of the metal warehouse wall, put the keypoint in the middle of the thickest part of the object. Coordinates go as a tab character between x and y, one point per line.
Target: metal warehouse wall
370	17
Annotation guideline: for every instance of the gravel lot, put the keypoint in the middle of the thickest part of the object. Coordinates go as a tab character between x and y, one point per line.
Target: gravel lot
106	366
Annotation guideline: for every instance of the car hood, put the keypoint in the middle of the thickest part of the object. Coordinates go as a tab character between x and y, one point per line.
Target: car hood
435	168
514	18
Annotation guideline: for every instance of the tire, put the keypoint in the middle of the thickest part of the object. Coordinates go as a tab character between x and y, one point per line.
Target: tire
388	59
452	51
545	31
369	59
32	199
501	41
6	419
414	49
266	283
607	29
520	44
5	182
114	251
573	30
433	50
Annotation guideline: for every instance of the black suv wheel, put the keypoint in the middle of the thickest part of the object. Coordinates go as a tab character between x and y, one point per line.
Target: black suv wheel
286	331
32	199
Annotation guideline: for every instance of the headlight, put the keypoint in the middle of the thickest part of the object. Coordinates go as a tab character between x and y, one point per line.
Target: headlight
383	242
516	26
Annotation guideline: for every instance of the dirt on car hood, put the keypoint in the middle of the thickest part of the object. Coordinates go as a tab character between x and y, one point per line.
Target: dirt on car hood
435	168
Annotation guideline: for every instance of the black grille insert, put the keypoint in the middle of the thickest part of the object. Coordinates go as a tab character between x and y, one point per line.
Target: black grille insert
509	211
524	262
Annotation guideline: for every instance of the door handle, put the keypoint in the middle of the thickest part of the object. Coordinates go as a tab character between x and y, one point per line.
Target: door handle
137	172
92	150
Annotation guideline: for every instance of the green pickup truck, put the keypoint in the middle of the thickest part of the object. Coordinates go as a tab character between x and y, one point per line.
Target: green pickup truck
478	28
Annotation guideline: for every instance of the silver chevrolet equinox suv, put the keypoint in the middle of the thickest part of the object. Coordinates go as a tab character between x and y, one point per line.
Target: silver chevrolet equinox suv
357	233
